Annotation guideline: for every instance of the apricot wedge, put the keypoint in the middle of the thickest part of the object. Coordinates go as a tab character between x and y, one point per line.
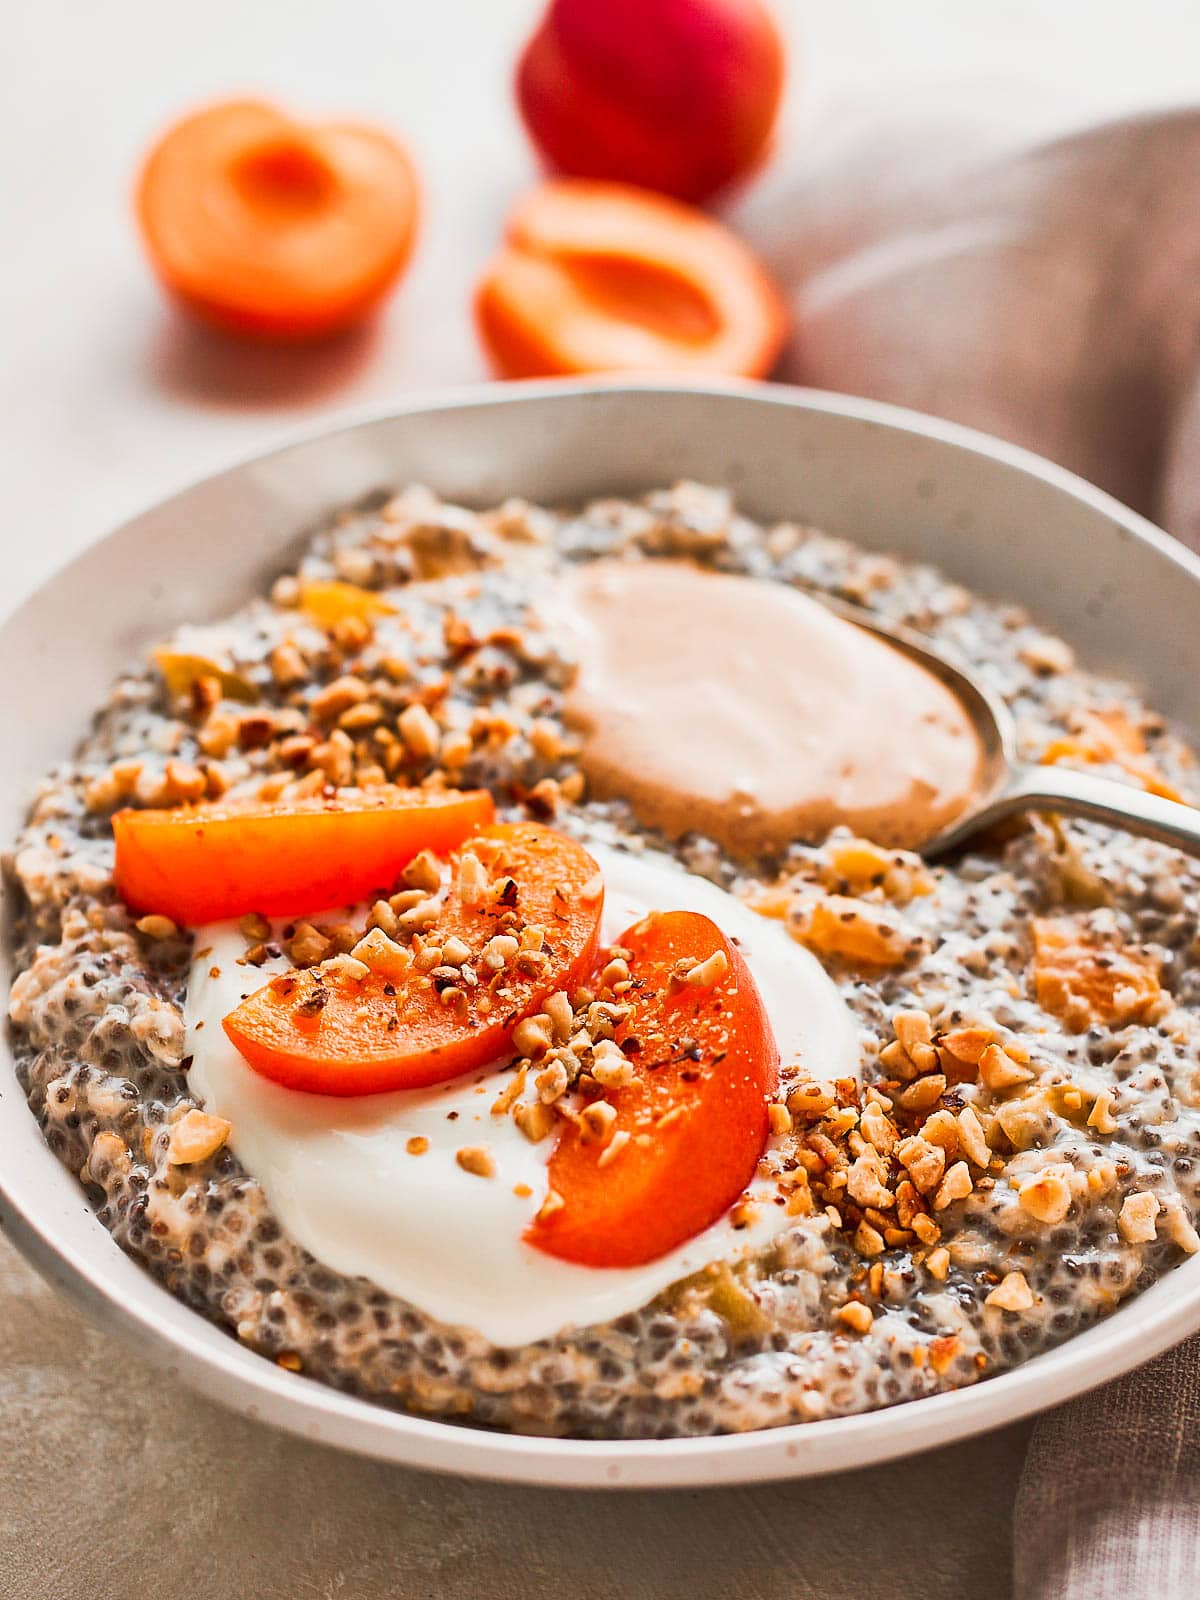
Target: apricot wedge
530	922
690	1127
203	863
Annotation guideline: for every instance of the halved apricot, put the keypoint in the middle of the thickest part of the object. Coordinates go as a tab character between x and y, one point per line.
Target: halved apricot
266	226
602	277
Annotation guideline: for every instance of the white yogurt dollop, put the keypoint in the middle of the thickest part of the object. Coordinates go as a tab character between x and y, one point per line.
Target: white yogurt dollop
342	1183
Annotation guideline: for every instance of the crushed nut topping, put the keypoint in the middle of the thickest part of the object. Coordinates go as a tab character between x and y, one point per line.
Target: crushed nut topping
477	1160
1012	1293
1046	1194
1137	1221
856	1316
196	1136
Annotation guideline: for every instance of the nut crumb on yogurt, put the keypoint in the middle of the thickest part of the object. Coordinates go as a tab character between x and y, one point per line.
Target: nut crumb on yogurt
1018	1151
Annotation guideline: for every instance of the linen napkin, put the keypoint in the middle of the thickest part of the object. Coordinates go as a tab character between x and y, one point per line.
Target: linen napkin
1109	1501
1038	282
1040	286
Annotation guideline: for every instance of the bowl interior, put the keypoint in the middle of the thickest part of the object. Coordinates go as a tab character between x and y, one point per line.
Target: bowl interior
991	516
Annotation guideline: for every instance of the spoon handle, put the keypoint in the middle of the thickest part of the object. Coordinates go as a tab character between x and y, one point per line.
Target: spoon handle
1081	794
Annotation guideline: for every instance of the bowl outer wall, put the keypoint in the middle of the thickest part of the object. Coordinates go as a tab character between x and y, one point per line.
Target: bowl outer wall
992	516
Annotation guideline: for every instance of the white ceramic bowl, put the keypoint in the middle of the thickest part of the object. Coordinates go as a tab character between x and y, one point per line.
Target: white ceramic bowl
999	519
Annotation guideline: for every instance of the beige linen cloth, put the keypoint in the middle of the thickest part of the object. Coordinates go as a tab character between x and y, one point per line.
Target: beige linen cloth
1042	285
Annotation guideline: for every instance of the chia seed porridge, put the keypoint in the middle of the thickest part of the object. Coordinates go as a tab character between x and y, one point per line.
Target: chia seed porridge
1022	1151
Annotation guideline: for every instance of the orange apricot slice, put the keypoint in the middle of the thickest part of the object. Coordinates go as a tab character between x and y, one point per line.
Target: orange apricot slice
521	895
690	1127
203	863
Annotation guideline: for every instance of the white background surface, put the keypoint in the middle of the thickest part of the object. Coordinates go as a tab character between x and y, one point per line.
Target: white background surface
108	401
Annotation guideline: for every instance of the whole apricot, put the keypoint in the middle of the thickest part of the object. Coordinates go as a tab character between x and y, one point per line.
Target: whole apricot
675	95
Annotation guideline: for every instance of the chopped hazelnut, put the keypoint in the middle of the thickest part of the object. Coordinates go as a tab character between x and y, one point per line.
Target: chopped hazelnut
878	1128
558	1009
895	1059
1012	1293
925	1228
956	1185
308	946
998	1071
923	1161
942	1129
1136	1222
196	1136
419	731
288	666
967	1044
811	1100
1100	1117
511	1092
547	742
477	1160
455	952
498	952
347	966
924	1094
382	954
533	1036
971	1138
456	748
780	1119
864	1183
908	1203
472	878
937	1262
424	871
1177	1226
418	918
856	1316
337	697
914	1030
156	927
612	1069
868	1241
182	781
596	1122
552	1082
615	972
709	971
426	957
534	1119
1046	1194
382	916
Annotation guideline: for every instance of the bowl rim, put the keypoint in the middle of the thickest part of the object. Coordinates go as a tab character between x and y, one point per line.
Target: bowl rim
207	1358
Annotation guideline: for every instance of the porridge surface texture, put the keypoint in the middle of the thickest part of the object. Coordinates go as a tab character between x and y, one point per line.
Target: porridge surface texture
1024	1151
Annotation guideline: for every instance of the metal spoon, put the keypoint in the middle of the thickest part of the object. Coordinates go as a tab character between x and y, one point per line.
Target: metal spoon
1010	786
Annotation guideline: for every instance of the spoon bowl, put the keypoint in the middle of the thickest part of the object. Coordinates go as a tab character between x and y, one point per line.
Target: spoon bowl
1011	787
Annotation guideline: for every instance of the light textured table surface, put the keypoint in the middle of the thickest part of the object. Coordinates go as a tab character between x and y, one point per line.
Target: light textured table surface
112	1484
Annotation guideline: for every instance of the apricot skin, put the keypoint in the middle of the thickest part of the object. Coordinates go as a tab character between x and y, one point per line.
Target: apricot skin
675	95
